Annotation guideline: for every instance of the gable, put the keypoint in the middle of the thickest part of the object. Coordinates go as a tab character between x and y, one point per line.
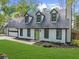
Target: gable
54	16
28	19
39	17
53	11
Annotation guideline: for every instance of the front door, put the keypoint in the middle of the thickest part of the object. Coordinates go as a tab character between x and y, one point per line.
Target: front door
37	34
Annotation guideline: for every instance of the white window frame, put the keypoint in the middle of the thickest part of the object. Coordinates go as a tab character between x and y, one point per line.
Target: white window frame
42	17
56	34
56	17
29	18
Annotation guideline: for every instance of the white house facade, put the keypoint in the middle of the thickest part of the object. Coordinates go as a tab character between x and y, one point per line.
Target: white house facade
49	25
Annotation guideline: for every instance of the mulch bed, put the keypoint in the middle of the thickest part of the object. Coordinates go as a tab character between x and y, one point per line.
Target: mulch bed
49	44
54	45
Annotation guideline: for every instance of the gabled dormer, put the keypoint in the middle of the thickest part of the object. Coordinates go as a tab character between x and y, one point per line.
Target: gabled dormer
54	15
39	17
28	19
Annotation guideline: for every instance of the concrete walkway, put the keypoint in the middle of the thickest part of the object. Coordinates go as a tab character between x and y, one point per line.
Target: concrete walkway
2	37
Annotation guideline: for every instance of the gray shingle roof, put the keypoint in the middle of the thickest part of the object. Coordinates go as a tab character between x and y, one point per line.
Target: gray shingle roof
47	23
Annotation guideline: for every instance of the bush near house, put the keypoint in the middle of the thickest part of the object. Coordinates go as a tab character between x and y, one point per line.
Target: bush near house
75	42
1	31
75	37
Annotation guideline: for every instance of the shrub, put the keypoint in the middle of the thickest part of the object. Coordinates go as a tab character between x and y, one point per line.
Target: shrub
75	42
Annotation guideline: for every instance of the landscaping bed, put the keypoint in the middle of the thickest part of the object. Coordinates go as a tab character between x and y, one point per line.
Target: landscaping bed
55	45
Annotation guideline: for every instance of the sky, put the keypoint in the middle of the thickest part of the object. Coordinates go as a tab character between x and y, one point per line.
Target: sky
50	2
41	1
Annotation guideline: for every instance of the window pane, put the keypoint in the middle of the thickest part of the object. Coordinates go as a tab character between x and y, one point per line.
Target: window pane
59	34
21	32
26	19
46	33
38	18
28	33
53	16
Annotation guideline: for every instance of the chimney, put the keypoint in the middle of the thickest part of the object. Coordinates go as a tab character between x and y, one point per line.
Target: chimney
69	17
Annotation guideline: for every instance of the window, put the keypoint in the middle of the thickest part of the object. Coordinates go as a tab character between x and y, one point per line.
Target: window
38	18
53	16
59	34
46	33
28	33
21	32
26	19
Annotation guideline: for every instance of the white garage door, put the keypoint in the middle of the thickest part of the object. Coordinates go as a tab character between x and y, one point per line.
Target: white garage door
13	34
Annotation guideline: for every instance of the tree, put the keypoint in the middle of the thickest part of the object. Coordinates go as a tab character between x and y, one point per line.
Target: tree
4	2
76	22
22	7
4	7
19	9
33	5
6	12
69	2
1	19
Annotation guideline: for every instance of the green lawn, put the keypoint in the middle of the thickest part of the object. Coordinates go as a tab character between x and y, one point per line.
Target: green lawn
22	51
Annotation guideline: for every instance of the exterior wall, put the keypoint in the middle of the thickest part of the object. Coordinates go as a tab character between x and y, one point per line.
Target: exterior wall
42	35
6	31
52	36
25	34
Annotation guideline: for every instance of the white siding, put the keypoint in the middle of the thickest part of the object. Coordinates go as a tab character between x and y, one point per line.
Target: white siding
52	36
42	35
63	36
25	34
6	31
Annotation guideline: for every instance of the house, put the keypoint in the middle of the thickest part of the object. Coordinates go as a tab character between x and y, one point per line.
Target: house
48	25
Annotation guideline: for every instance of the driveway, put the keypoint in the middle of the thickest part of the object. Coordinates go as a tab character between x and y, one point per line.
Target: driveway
3	37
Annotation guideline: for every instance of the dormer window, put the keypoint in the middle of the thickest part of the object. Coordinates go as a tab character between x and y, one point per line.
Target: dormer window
28	19
39	17
54	15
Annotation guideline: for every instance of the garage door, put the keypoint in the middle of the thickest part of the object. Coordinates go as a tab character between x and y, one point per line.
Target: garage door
13	34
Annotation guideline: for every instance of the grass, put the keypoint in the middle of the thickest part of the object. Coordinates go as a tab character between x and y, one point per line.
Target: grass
16	50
